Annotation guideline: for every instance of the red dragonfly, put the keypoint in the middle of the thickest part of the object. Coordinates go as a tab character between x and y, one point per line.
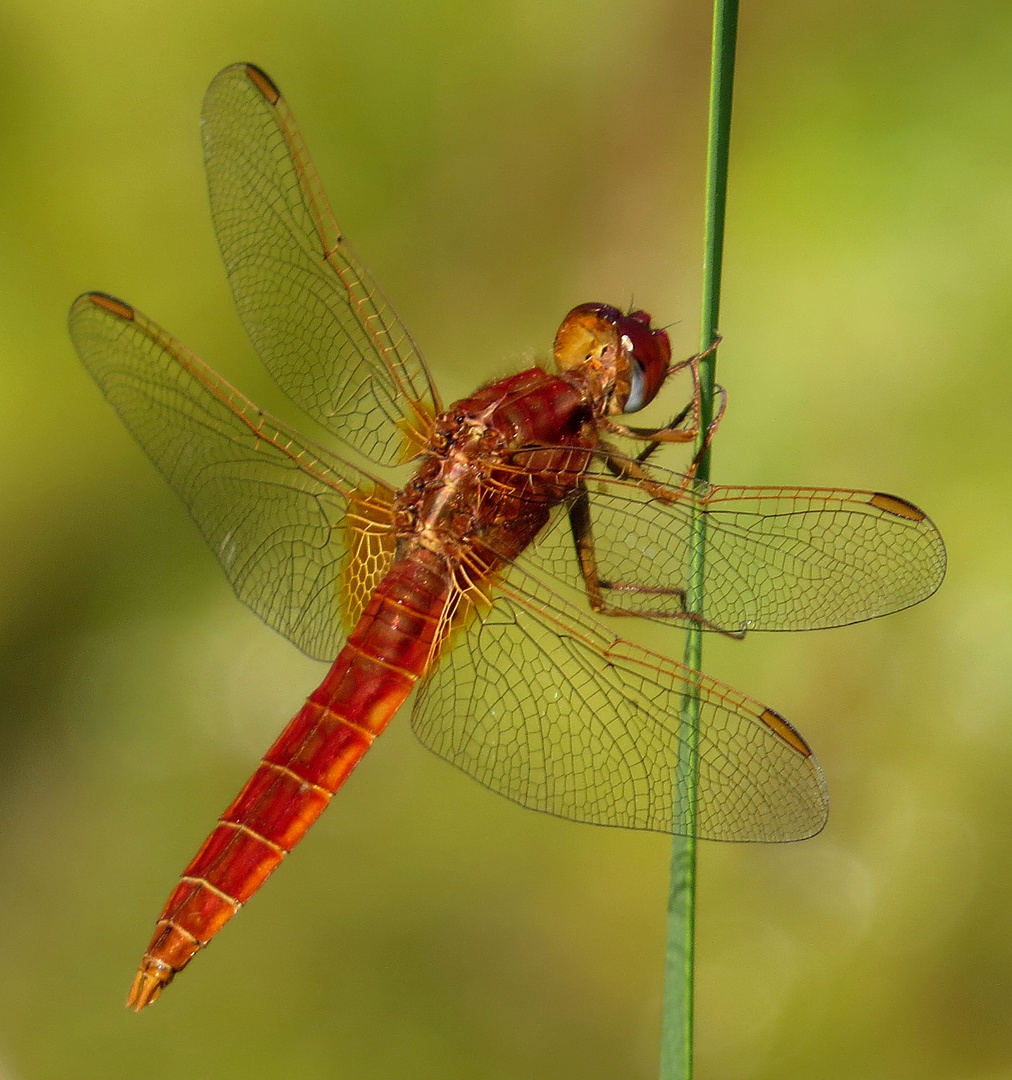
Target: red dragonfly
467	581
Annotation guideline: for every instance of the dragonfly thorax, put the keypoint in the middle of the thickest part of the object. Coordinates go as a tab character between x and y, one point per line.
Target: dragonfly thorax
495	465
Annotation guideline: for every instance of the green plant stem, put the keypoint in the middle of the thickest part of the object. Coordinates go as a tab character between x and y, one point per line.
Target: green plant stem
677	1015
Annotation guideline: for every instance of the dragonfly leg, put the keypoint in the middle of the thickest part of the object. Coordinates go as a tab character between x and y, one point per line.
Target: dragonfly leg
677	431
658	439
627	468
597	588
631	468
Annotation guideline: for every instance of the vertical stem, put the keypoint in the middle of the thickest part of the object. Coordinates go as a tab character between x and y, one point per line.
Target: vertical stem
677	1016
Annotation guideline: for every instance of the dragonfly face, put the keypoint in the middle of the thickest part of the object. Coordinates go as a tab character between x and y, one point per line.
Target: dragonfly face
621	356
439	584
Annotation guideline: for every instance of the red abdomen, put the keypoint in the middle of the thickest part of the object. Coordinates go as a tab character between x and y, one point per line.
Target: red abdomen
392	645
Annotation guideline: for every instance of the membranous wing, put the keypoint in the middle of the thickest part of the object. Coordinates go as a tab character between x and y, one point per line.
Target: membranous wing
776	558
315	316
543	705
302	536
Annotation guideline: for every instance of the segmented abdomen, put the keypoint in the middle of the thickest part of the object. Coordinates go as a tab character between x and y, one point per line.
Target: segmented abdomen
389	649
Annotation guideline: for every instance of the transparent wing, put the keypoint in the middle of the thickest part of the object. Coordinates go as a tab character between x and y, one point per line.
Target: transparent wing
547	708
777	558
302	536
315	316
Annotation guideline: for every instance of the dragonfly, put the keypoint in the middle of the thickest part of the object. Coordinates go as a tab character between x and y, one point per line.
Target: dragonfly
532	509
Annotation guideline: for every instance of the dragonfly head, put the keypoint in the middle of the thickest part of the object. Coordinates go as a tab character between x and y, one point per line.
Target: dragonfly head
620	354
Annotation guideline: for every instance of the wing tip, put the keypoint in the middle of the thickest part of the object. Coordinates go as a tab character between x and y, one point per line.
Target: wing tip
893	504
263	82
786	731
108	303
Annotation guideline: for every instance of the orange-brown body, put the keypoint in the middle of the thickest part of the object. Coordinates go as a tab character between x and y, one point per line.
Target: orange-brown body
475	502
405	571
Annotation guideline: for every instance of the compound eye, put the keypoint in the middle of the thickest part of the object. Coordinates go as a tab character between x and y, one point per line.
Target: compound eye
647	354
637	396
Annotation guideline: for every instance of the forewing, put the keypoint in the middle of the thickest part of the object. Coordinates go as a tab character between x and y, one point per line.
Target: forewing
547	708
315	316
302	536
776	558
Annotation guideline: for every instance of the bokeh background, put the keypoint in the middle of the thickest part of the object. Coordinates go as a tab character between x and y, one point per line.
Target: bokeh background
495	163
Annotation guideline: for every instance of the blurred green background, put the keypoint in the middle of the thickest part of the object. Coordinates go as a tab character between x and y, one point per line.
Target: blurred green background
495	163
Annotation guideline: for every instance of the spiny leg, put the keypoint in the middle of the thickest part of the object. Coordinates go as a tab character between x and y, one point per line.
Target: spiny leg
675	432
656	442
583	537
